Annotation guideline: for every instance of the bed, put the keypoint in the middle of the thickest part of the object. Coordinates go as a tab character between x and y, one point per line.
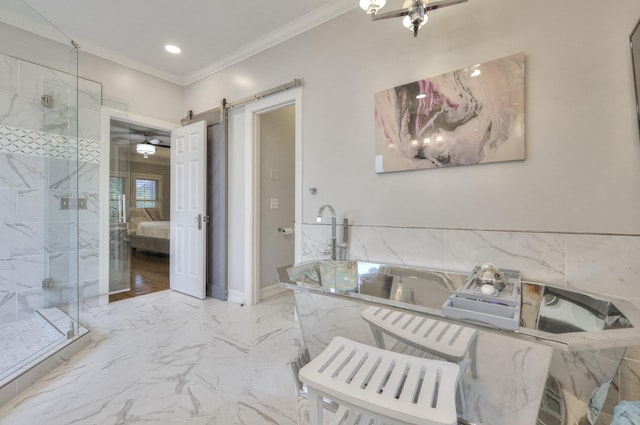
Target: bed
148	231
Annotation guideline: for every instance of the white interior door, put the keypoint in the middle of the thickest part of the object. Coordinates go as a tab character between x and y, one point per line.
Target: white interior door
188	192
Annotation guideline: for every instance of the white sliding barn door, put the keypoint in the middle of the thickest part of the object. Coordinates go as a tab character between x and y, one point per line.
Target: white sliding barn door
188	193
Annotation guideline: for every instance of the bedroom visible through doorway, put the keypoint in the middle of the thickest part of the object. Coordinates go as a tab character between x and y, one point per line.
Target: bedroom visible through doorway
139	210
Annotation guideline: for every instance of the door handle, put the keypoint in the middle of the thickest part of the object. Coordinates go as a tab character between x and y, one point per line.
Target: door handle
199	220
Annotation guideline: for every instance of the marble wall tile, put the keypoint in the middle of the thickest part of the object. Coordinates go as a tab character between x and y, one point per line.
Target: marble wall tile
89	289
539	257
89	122
26	239
92	213
61	237
88	177
20	273
314	241
8	205
61	171
88	235
88	265
606	265
9	74
21	111
63	268
35	79
31	205
406	246
22	171
28	302
61	297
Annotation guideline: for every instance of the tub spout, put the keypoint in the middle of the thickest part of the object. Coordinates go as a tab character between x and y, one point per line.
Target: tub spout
333	227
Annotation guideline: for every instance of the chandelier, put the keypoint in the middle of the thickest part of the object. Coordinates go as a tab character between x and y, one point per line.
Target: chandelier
414	11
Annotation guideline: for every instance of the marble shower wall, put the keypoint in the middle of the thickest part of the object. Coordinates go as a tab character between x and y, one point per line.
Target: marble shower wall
37	169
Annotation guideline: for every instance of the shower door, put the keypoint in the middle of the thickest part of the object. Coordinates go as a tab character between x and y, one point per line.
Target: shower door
119	193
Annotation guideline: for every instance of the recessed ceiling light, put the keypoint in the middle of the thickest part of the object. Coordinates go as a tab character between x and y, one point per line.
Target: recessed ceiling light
172	49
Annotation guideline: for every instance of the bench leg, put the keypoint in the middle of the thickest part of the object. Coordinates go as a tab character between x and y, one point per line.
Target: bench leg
315	407
377	336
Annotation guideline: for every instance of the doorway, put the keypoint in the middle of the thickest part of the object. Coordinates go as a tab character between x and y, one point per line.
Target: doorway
135	189
267	194
139	194
276	158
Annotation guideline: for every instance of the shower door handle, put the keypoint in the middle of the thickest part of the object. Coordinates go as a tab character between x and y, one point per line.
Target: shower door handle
123	209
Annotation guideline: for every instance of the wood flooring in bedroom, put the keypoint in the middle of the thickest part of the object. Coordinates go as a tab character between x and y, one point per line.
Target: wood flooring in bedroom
149	273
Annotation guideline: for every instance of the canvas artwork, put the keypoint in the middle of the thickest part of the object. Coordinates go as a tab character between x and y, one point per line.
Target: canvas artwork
473	115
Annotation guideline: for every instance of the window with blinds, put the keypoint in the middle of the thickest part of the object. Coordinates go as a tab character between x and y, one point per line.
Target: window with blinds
147	192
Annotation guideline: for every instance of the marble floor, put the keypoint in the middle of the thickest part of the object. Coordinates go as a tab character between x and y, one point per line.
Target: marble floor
166	358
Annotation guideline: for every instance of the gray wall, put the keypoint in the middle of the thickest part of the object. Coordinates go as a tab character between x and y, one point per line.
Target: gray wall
582	145
579	179
277	180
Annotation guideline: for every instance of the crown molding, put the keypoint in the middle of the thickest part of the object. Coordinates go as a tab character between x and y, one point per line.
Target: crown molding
129	63
296	27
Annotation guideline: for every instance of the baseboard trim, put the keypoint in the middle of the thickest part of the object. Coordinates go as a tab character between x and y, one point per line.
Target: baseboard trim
272	291
236	296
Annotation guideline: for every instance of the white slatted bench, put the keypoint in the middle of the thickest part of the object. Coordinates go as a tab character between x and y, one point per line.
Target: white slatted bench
379	386
446	340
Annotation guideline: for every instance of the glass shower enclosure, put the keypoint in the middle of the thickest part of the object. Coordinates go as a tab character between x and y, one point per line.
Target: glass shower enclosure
43	212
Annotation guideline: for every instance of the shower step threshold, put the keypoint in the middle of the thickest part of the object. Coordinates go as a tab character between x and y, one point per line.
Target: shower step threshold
56	318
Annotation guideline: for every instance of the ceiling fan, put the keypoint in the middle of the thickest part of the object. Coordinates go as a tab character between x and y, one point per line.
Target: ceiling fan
414	11
136	136
134	133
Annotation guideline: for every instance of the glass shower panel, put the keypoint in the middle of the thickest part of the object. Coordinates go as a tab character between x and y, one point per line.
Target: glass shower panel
39	291
119	204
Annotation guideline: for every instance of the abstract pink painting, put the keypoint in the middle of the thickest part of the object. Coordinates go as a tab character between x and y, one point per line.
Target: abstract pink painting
473	115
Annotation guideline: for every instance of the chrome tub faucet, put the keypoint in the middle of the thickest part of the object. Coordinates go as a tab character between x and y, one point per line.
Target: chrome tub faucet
334	243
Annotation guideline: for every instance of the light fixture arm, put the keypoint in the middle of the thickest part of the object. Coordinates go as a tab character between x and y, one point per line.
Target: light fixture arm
416	12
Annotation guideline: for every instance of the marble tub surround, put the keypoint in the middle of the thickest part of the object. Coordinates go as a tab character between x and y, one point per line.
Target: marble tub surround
167	358
591	263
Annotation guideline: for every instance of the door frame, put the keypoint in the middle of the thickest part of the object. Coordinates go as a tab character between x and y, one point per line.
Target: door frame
107	114
252	185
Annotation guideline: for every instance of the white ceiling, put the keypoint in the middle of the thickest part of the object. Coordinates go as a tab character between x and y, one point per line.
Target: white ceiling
213	34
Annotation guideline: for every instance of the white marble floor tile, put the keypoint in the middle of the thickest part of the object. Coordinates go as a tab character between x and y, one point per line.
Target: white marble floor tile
167	358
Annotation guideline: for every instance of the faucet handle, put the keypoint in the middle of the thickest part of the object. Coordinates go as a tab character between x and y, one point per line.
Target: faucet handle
327	250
